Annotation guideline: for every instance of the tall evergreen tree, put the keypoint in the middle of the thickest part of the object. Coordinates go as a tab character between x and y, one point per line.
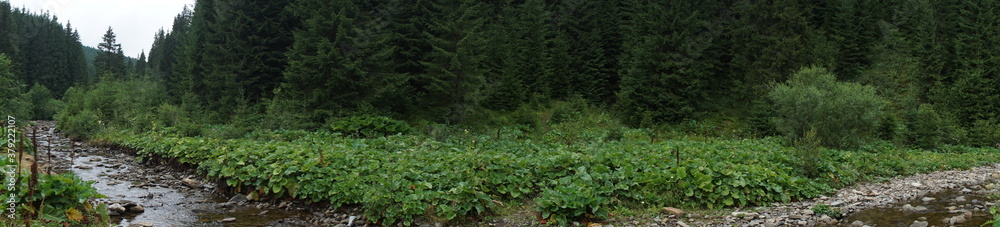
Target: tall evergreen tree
235	53
593	31
668	59
454	79
770	40
110	61
6	29
140	64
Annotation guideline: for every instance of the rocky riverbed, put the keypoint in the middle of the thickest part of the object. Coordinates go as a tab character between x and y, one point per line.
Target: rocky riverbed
943	198
155	194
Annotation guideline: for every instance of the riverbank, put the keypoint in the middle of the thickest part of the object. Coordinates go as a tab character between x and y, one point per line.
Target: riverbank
908	199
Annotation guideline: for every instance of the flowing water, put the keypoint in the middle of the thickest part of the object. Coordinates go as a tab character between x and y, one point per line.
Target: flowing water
945	205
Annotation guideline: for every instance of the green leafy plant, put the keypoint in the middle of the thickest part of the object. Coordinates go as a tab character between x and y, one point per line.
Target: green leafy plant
823	209
995	211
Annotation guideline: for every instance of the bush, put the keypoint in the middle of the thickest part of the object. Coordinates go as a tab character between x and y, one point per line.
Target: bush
170	115
123	104
843	114
43	106
984	133
930	129
369	126
79	125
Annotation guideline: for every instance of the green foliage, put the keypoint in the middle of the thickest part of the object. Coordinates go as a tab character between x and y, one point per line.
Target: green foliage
984	133
57	200
669	54
574	197
369	126
842	114
823	209
399	178
995	222
131	104
930	129
43	105
109	64
9	88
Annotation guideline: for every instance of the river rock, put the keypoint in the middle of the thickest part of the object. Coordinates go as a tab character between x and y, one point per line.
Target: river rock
116	208
136	209
141	224
928	199
191	183
802	223
837	203
808	212
960	199
229	219
825	219
95	159
954	220
919	224
674	211
857	224
907	207
84	167
920	209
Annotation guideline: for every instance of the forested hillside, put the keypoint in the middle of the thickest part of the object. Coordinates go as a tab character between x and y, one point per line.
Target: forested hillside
438	109
306	62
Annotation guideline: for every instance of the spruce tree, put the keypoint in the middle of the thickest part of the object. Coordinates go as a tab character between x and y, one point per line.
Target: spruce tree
110	61
140	65
6	29
454	78
668	59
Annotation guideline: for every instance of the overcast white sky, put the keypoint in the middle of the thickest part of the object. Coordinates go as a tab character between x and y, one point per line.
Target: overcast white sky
133	21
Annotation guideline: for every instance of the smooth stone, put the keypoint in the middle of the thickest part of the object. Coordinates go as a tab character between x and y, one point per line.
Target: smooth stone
141	224
116	208
229	219
919	224
674	211
136	209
